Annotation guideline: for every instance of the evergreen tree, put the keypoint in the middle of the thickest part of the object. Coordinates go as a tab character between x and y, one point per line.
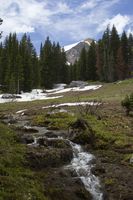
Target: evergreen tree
106	53
130	53
82	65
125	54
121	64
26	53
114	46
91	63
99	60
46	65
36	71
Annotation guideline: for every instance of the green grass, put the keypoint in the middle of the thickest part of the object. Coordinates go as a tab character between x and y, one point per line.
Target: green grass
16	180
58	121
109	92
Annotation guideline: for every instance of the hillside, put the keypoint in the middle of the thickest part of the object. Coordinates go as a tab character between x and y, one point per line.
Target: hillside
109	138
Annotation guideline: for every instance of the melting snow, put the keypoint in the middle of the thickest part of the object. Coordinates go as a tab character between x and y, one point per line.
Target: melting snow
71	104
35	94
38	94
21	111
78	89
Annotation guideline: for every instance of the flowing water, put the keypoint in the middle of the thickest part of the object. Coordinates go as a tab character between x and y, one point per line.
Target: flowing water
82	164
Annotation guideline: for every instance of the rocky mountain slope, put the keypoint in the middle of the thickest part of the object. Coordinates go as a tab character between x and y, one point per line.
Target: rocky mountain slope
73	51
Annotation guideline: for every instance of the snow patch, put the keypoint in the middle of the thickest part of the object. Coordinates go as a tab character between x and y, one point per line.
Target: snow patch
71	104
21	111
38	94
78	89
68	47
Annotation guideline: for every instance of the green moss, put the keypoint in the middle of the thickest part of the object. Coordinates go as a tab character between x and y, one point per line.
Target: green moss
16	180
54	121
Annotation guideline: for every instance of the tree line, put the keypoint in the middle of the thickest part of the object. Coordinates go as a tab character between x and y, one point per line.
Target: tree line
21	69
110	59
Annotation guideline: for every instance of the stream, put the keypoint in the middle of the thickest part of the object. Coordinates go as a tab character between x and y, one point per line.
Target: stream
82	164
82	161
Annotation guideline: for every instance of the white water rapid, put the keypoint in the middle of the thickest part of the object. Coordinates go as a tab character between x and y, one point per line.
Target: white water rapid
82	164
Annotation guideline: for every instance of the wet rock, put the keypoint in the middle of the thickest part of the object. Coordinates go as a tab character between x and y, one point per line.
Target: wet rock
78	84
27	139
29	129
98	170
26	129
50	134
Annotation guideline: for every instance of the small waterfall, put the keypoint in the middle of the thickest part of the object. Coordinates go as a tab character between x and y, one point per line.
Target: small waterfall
82	164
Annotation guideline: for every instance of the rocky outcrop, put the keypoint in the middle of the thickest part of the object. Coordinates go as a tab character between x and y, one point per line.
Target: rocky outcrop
74	53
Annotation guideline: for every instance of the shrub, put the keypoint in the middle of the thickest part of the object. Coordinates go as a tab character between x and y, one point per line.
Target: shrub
128	103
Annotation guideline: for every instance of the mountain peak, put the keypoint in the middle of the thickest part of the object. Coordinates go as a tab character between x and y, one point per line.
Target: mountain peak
73	50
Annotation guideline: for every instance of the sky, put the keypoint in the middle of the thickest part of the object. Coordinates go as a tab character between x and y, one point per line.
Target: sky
64	21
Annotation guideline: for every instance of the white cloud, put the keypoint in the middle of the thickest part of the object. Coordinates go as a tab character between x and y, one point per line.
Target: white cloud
88	5
119	21
62	19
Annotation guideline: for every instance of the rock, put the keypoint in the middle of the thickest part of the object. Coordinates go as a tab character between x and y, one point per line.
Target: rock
27	139
73	53
29	129
26	129
98	170
50	134
78	84
10	96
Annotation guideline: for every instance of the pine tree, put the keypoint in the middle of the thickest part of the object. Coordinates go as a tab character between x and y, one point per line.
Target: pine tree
125	54
114	46
91	63
130	53
121	64
106	53
46	65
99	60
36	71
26	52
82	65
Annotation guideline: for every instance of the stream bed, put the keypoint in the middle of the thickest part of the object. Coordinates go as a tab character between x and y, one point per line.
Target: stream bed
82	161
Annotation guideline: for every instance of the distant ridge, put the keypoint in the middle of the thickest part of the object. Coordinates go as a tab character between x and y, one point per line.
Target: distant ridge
73	50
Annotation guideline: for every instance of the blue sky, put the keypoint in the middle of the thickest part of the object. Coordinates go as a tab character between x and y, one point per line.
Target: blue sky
66	21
